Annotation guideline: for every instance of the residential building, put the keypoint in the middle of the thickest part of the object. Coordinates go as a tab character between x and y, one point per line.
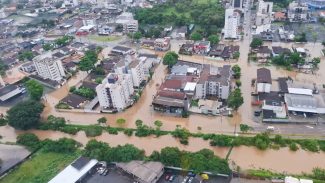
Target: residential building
279	16
186	49
115	92
202	47
214	82
181	32
229	51
216	50
263	53
162	44
121	50
171	102
76	171
232	19
49	67
263	81
129	24
298	12
136	70
278	50
10	91
263	17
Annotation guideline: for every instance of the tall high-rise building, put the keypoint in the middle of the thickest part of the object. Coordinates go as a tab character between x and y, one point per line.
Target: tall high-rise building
232	19
49	67
237	4
115	92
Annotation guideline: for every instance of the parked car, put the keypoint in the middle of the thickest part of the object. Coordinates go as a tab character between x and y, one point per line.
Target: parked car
185	179
190	180
167	177
171	178
257	113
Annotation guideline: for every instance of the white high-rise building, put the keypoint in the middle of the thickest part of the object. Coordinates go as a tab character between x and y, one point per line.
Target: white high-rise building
49	67
232	19
137	72
115	92
263	17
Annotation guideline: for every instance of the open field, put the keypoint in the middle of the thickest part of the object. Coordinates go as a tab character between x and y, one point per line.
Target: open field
104	38
40	168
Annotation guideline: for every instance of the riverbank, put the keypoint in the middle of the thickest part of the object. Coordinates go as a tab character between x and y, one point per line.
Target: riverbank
281	160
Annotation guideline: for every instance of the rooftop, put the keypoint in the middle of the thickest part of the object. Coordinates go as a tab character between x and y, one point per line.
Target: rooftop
73	100
145	171
264	76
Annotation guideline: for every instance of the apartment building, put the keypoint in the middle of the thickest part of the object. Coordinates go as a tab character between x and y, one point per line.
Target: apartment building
136	70
49	67
129	24
115	92
232	19
214	82
297	12
263	17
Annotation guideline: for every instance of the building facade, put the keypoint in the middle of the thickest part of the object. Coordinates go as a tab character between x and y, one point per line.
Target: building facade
232	19
115	92
297	12
263	17
49	67
136	70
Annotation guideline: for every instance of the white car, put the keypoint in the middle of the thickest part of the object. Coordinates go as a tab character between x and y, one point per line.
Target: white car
270	128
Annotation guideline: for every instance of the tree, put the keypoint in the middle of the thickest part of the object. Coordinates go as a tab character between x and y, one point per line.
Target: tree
236	55
3	68
35	89
235	99
47	47
25	115
63	41
196	36
256	42
236	71
120	121
170	59
29	140
63	145
88	61
25	55
244	128
158	124
102	120
137	35
238	83
214	39
315	61
314	36
170	156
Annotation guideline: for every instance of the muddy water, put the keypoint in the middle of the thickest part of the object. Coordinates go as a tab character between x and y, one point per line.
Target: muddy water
246	157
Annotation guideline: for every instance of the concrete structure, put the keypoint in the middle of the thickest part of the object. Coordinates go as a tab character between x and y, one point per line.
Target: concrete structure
129	24
143	172
115	92
75	171
10	91
214	82
298	12
136	70
49	67
263	17
162	44
232	19
264	80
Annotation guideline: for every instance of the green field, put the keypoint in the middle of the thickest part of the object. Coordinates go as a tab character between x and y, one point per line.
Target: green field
104	38
41	168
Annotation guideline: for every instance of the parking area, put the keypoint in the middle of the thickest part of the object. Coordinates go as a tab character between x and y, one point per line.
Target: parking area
186	177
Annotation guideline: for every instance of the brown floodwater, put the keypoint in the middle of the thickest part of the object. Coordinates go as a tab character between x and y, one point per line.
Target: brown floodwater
282	160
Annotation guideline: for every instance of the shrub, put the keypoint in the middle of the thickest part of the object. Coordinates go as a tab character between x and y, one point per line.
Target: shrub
70	130
321	145
293	147
3	122
221	140
128	132
63	145
113	131
309	144
93	131
29	140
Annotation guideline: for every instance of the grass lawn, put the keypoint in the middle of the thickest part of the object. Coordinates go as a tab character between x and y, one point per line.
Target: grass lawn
41	168
104	38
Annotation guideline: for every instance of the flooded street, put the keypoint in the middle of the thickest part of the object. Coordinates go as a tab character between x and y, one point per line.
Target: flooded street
282	160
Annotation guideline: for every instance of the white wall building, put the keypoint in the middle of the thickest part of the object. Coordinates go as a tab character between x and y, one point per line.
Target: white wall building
264	80
128	22
136	70
263	17
115	92
49	67
297	12
232	19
